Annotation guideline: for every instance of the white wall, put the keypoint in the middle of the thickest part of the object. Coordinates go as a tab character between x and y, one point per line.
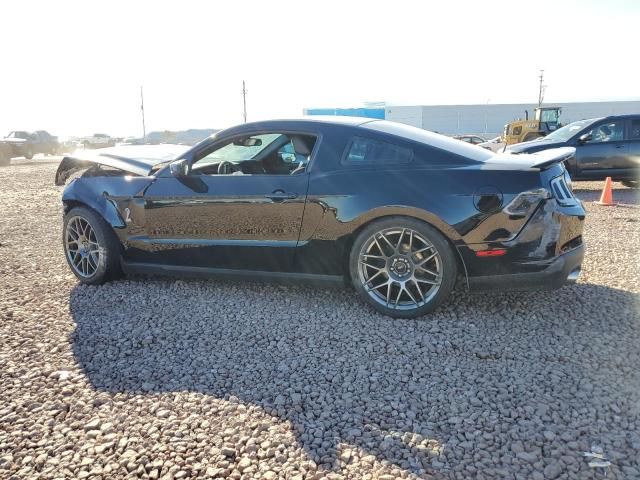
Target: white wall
489	120
411	115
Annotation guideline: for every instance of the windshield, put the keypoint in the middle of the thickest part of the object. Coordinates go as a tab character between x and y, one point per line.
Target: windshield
23	135
549	116
565	133
238	152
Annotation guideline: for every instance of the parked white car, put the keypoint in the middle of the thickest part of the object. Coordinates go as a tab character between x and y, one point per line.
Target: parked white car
98	140
495	144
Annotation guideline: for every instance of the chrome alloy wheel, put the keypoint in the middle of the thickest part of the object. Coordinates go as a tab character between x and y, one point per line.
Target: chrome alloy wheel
399	268
82	247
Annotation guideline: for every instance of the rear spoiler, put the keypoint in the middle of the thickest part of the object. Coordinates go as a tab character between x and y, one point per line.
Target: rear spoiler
547	158
541	160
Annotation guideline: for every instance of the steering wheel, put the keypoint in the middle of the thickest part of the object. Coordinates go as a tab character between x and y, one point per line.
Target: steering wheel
225	167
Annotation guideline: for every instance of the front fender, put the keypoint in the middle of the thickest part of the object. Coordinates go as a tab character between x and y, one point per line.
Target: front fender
105	195
77	193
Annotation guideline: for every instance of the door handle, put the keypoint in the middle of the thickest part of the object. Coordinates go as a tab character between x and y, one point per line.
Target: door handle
280	195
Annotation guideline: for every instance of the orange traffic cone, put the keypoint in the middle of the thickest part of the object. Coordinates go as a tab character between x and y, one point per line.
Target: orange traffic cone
606	198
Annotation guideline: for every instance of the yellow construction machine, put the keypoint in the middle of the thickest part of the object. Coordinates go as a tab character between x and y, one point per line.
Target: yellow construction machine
545	121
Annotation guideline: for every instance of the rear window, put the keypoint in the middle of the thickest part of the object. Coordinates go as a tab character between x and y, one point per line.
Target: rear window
431	139
368	151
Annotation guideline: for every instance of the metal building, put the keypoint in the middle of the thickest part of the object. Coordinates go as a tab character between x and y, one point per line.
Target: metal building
378	112
486	120
489	120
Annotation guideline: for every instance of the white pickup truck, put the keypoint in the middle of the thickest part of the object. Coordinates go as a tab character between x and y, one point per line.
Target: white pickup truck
98	140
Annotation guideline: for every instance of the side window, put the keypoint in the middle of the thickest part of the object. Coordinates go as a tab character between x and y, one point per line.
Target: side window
259	154
608	132
517	130
368	151
634	133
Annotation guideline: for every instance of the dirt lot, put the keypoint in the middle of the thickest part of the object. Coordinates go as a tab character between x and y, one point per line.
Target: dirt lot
181	379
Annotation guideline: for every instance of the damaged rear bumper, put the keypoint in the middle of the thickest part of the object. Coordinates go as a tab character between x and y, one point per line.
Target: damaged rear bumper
563	270
545	255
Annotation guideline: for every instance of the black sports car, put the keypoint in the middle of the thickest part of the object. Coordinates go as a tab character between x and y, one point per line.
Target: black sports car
398	212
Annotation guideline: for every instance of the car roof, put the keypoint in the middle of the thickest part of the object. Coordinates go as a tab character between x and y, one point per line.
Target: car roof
625	116
611	117
294	122
371	125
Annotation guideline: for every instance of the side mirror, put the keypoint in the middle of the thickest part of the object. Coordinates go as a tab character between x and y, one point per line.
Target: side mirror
587	137
178	168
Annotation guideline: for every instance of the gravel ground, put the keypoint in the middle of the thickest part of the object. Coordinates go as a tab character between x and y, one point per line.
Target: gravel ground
180	378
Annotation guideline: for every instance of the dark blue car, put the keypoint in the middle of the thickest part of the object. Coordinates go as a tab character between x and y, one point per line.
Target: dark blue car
605	147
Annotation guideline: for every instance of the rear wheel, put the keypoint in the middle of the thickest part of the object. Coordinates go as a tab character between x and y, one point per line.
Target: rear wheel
402	267
91	247
631	183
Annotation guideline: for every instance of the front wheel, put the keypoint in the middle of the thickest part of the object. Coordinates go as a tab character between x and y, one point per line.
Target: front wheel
402	267
28	154
91	248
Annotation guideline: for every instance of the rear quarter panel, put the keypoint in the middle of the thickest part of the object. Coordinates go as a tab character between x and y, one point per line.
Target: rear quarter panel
437	188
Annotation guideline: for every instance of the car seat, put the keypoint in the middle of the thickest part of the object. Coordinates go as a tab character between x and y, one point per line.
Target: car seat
302	148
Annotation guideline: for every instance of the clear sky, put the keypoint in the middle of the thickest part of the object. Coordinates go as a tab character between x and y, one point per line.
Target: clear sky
75	67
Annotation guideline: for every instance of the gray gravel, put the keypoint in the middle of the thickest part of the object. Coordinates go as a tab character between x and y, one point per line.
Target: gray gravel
181	378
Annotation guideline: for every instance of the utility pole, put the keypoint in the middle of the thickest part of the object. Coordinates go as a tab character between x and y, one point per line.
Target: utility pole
144	128
244	101
541	88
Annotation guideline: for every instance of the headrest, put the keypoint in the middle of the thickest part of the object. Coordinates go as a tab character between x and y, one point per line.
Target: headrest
301	145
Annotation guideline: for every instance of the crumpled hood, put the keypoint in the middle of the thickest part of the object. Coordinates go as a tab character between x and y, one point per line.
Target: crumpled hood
135	159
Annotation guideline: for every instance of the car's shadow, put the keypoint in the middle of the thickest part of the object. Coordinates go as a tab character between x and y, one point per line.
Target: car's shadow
398	389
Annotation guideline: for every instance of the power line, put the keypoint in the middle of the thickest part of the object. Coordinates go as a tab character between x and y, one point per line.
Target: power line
144	128
244	101
541	88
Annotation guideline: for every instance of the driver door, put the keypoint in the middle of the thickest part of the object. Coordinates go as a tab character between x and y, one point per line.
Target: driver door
229	220
606	151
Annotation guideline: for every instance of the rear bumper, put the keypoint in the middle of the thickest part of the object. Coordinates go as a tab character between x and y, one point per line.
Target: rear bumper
546	254
565	269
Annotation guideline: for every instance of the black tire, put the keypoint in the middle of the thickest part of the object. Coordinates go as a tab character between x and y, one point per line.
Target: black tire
108	263
445	261
631	183
28	154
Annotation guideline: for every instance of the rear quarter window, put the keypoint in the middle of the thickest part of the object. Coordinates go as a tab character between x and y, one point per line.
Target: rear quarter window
634	134
367	151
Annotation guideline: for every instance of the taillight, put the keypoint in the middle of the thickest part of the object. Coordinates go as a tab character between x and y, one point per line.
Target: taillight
561	187
497	252
524	203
